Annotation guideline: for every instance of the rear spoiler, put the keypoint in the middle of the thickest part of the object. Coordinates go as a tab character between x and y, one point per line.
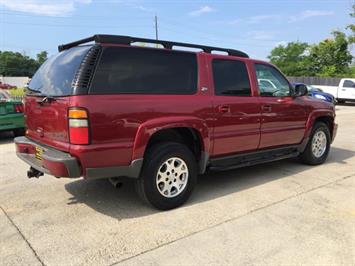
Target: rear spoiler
127	40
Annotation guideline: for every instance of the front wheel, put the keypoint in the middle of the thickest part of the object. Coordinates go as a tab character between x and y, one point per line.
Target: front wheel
318	146
168	176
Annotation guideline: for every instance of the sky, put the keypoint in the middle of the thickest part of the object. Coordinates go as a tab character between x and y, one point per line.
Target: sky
253	26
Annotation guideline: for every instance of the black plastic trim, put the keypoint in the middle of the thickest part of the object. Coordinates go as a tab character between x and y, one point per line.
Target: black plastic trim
84	75
133	170
49	154
254	158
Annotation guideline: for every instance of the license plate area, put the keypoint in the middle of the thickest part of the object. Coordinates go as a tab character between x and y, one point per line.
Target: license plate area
38	153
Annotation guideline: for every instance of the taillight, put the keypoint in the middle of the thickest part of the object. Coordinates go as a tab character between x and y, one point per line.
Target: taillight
19	108
78	126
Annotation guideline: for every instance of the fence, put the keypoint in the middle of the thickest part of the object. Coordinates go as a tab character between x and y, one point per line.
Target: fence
316	81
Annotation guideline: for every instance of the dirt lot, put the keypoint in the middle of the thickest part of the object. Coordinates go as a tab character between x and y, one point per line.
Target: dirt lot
277	213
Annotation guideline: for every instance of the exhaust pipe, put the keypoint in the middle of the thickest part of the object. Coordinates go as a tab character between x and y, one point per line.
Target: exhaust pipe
34	173
116	182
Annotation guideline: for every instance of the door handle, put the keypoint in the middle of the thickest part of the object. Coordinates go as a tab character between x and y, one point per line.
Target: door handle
266	108
224	109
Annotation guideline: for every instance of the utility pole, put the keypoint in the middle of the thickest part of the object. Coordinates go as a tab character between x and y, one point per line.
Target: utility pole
156	27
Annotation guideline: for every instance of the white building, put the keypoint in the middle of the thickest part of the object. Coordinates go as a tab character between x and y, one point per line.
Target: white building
19	82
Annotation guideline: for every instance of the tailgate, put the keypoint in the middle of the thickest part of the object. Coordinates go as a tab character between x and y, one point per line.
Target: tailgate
47	122
6	107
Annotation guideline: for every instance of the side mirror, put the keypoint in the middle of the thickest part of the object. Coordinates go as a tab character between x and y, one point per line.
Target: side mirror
300	90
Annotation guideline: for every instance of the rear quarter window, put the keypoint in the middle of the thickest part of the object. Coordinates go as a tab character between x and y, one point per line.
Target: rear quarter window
124	70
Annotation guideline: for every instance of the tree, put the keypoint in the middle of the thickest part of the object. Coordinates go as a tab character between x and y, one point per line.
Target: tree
292	58
17	64
352	27
331	57
42	57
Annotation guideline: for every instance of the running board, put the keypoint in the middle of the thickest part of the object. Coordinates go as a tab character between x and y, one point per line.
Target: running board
253	158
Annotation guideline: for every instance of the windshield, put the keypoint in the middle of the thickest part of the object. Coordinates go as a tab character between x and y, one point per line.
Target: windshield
311	88
55	76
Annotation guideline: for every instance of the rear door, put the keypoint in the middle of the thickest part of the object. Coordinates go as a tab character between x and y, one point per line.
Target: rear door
283	118
347	89
237	112
48	98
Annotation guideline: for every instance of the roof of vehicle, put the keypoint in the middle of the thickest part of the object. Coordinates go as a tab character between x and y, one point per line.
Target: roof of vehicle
128	40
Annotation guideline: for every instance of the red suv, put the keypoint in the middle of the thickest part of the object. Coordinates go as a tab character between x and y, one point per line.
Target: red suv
162	116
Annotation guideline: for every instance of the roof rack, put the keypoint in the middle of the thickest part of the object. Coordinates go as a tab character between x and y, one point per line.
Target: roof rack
118	39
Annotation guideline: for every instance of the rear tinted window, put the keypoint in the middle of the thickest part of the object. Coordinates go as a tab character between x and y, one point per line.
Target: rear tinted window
145	71
55	76
230	78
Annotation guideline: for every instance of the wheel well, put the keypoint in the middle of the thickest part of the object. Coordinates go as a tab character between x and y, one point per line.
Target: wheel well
188	136
329	121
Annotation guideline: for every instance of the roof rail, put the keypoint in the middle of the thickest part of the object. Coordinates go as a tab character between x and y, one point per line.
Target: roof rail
118	39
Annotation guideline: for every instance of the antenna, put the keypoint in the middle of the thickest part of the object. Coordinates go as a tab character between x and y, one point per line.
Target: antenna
156	26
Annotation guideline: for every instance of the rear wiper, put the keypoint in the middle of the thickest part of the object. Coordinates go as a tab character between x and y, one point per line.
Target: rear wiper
46	99
33	91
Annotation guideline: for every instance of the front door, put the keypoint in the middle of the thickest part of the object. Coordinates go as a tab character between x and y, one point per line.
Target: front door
283	117
237	112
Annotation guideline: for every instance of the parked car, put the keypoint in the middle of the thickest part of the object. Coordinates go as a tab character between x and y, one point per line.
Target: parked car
162	116
4	86
11	114
344	92
318	93
266	85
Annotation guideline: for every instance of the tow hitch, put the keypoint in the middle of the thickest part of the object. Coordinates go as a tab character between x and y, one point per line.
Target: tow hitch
34	173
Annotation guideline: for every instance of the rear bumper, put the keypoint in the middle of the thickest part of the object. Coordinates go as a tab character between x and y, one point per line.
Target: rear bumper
61	164
54	162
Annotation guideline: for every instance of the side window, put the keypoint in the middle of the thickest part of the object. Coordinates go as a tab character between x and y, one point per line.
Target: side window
230	78
271	82
349	84
126	70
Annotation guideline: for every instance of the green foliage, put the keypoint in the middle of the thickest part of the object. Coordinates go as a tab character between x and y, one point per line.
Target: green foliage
42	57
352	27
17	64
292	59
331	57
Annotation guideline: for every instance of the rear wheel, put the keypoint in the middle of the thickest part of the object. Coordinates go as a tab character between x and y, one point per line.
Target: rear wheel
19	132
168	176
340	101
318	146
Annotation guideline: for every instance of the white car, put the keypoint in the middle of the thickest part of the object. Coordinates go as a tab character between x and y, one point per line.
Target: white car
344	92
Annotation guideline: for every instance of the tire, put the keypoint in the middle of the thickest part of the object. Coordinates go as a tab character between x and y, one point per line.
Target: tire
319	154
19	132
168	176
340	101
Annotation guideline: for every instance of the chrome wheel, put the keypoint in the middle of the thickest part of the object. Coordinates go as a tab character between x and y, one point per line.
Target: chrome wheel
319	144
172	177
